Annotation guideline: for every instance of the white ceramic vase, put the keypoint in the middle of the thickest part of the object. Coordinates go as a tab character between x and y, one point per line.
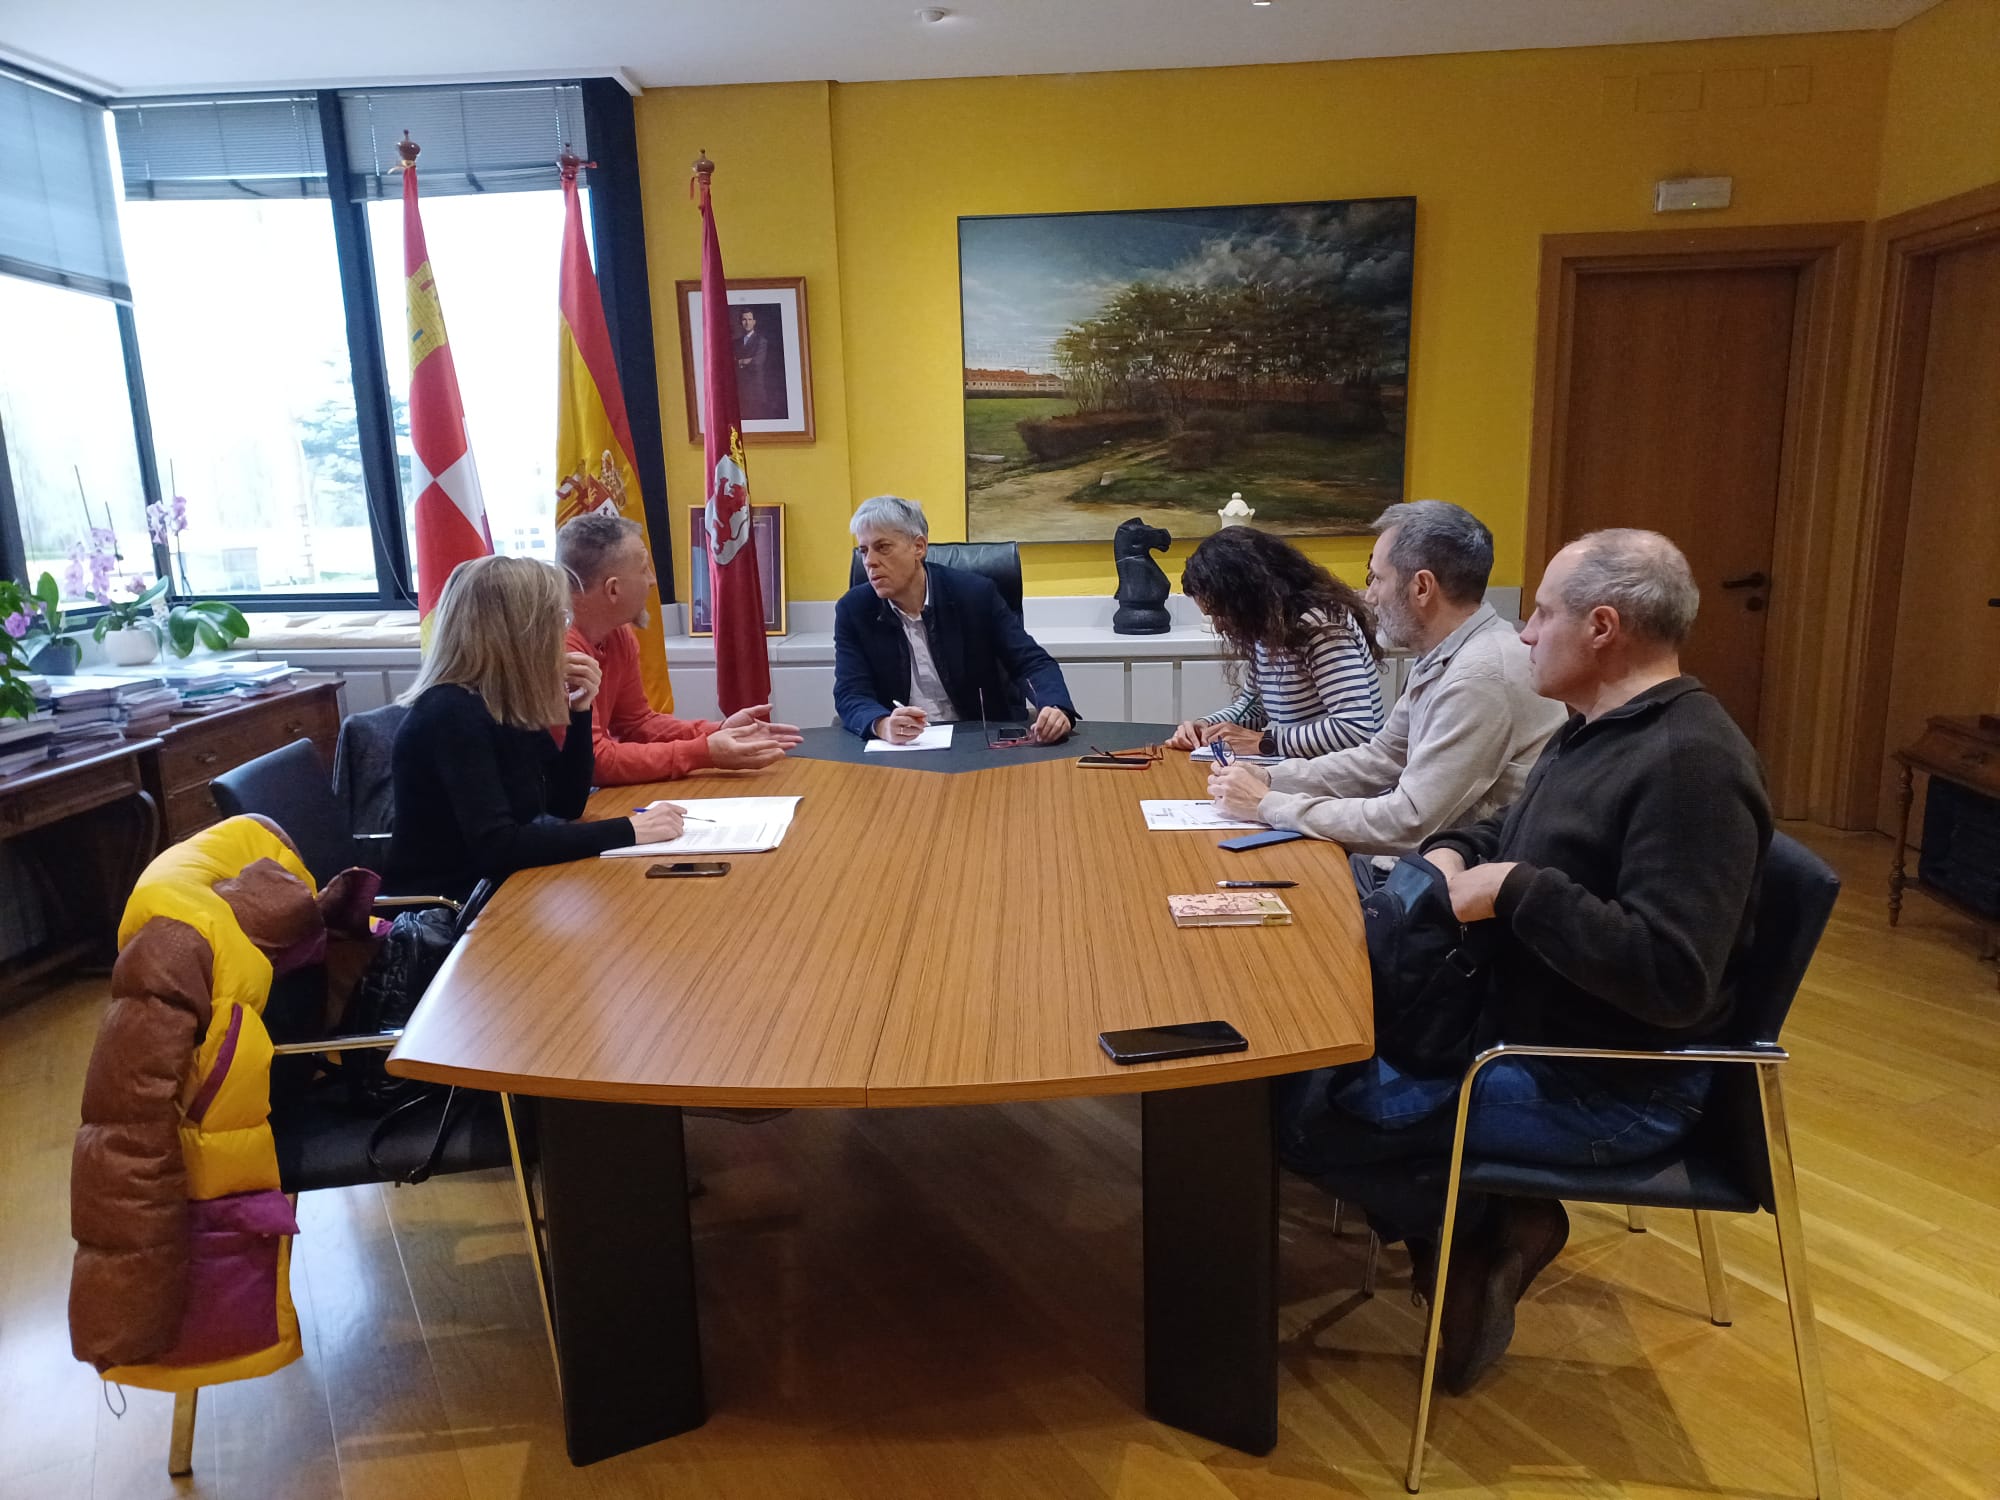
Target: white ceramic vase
131	648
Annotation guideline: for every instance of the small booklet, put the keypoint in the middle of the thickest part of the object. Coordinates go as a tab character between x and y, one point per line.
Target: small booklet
934	737
1230	909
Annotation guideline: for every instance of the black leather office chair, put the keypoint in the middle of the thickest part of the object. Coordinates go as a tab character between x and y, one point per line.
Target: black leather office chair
290	786
362	778
999	561
322	1140
1738	1160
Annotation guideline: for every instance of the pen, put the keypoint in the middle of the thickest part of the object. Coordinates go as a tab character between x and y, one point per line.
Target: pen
686	817
1255	885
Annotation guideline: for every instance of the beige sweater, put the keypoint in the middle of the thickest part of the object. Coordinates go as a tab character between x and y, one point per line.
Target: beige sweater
1457	747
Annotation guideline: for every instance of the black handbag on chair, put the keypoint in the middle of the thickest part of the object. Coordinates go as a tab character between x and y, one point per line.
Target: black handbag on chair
1428	969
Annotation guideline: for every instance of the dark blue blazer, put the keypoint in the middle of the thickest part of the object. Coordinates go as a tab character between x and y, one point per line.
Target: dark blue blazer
976	642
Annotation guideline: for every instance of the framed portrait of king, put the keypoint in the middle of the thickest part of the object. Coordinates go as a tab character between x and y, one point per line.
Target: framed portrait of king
772	353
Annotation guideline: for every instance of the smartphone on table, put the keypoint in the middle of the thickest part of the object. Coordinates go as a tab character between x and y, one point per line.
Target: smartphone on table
1159	1043
690	867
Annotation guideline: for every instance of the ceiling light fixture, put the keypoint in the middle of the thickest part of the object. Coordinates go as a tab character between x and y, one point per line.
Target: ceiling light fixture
1260	4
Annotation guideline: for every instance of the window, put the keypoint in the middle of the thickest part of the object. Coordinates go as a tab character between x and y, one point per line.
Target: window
66	420
247	379
207	331
496	257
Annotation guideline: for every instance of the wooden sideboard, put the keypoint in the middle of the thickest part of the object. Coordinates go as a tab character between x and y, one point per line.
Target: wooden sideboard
90	823
1965	752
197	750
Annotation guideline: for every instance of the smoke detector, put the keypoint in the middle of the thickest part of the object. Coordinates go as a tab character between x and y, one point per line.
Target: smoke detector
930	15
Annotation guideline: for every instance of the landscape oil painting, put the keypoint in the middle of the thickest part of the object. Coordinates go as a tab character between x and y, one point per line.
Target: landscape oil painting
1155	362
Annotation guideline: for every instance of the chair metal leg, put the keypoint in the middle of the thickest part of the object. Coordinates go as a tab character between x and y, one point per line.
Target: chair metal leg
1339	1209
1368	1265
1413	1473
1635	1218
180	1451
1711	1269
1792	1255
534	1229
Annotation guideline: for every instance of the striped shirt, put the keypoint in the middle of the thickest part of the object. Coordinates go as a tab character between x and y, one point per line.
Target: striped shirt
1329	700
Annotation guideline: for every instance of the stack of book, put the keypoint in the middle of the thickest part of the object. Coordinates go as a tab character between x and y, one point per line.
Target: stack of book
206	683
87	716
25	743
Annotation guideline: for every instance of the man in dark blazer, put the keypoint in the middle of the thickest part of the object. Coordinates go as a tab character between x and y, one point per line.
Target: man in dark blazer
921	644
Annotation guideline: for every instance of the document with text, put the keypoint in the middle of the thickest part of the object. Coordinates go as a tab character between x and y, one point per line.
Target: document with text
934	737
721	825
1166	815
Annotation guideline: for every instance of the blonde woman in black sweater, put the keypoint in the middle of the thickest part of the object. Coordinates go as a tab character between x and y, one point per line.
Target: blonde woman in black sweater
482	786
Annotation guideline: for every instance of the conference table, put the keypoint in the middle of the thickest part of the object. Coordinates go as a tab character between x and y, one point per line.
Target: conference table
937	928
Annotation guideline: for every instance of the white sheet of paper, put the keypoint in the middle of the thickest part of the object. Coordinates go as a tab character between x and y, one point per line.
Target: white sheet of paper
732	825
934	737
1170	815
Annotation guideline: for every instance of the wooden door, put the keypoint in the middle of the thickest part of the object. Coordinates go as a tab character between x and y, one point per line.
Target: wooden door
1947	657
1673	418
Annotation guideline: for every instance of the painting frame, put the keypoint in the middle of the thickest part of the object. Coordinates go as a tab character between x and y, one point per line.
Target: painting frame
767	527
785	298
1155	361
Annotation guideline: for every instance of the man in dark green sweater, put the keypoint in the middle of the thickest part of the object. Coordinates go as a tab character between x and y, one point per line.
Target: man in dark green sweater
1622	887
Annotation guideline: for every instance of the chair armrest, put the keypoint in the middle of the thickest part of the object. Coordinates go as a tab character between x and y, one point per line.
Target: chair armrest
408	903
366	1041
1761	1054
373	838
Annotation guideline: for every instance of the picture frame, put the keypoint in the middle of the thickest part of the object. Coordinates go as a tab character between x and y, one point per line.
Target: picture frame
774	384
767	529
1156	362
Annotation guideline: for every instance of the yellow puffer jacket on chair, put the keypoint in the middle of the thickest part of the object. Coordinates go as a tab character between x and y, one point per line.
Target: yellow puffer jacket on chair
181	1276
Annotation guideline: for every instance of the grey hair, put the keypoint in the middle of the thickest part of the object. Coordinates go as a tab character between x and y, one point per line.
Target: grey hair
586	544
1447	540
1640	574
890	513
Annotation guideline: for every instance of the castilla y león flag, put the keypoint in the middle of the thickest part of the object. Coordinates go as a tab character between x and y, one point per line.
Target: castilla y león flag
450	511
742	666
593	436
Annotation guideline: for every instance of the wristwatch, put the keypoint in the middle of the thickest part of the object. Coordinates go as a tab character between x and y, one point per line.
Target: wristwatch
1268	743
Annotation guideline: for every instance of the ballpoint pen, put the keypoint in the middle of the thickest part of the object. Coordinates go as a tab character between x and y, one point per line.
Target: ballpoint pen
1255	885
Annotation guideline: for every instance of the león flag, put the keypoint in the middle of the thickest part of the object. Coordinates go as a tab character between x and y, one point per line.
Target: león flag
742	665
593	437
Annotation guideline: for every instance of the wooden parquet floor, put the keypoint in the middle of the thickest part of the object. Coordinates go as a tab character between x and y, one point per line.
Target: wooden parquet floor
934	1303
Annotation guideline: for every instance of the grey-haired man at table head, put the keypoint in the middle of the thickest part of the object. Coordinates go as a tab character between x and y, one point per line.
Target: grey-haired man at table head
1458	743
1621	890
921	644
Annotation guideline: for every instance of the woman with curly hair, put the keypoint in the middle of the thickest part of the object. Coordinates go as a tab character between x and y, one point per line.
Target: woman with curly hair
1304	647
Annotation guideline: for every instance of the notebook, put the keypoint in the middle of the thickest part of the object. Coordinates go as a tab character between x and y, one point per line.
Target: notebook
1230	909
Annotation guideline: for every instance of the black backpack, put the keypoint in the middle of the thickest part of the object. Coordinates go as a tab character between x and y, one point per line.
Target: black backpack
1428	969
397	976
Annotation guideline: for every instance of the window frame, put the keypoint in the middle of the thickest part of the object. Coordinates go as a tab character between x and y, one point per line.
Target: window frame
618	230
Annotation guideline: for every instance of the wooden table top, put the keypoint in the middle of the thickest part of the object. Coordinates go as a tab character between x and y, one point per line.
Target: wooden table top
918	939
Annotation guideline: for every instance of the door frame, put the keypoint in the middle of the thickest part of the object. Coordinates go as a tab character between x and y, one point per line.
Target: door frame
1903	270
1827	257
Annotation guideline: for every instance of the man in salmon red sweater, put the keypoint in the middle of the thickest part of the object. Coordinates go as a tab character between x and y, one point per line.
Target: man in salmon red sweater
611	577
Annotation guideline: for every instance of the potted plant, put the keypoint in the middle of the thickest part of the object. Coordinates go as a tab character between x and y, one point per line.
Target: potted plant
128	629
50	649
207	621
17	618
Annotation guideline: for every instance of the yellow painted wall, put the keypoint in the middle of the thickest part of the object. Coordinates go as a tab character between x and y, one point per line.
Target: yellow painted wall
1941	124
859	187
773	195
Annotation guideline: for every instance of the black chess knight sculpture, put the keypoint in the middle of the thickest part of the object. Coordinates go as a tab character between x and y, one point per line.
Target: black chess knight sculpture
1142	586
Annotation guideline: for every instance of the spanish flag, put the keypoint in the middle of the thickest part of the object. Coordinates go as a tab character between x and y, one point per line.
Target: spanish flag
450	510
593	438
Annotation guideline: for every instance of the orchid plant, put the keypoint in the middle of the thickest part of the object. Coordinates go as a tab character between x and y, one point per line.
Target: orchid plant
17	615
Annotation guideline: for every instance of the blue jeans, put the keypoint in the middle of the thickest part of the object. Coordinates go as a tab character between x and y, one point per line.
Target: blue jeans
1344	1126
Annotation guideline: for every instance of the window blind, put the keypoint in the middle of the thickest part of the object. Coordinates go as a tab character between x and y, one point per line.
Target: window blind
475	138
58	210
234	146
